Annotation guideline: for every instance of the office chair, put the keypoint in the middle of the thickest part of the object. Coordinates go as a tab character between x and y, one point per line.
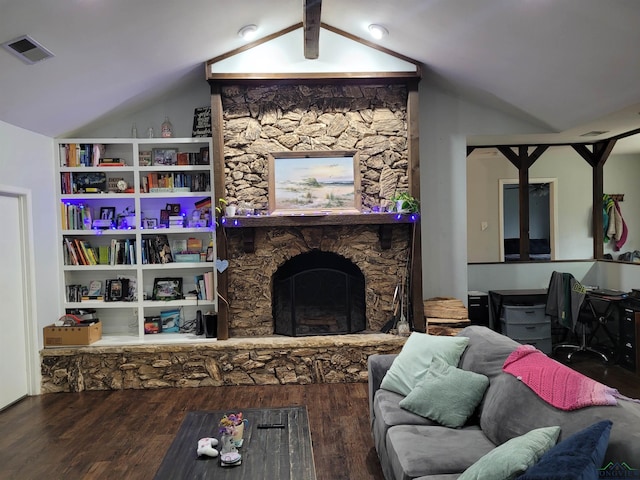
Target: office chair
565	298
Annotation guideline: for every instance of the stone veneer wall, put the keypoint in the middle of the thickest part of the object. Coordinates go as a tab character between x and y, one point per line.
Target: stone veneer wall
280	118
256	361
371	119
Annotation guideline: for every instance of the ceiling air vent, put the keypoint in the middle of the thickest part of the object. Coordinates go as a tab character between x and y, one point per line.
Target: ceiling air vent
594	133
27	49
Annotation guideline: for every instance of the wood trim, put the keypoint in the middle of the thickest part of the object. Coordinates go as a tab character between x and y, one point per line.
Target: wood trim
217	157
374	46
523	160
413	140
292	77
306	76
249	46
311	23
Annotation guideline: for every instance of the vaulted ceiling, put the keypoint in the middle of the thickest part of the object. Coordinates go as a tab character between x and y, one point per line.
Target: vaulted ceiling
567	67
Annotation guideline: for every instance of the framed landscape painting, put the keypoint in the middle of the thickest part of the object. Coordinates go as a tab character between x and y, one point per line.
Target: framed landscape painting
318	182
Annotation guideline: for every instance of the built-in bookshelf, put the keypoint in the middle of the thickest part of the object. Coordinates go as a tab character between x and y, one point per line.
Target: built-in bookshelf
136	223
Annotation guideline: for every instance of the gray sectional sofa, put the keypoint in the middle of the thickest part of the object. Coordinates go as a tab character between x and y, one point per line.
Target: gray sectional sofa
411	446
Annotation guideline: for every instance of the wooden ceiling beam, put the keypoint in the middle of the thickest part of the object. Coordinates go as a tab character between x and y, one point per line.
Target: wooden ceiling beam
311	24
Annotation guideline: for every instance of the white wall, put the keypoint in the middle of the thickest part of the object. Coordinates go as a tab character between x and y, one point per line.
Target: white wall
511	276
178	105
26	162
445	121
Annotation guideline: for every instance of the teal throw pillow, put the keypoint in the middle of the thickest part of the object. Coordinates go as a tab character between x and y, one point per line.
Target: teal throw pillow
578	457
514	456
413	361
447	395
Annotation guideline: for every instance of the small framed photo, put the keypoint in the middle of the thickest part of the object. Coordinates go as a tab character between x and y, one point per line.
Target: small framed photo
209	254
148	223
173	208
167	289
116	290
165	156
203	159
108	213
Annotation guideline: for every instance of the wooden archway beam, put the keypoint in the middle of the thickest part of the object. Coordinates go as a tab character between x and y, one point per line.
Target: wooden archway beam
523	161
597	157
311	26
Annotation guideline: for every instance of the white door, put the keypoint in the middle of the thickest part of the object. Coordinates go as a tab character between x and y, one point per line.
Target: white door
13	338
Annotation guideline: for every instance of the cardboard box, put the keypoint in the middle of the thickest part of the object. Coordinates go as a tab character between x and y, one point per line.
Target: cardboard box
76	335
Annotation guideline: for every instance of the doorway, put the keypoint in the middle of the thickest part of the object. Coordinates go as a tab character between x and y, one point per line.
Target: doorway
16	332
542	219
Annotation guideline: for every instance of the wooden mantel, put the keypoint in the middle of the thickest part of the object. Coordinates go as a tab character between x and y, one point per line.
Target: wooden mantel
385	221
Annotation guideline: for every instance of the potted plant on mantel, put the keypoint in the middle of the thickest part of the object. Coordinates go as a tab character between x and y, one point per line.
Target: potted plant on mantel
405	203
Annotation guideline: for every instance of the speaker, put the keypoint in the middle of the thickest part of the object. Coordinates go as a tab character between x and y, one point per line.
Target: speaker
210	325
199	323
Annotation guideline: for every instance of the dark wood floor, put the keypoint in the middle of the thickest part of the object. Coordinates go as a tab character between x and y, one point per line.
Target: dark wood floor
125	434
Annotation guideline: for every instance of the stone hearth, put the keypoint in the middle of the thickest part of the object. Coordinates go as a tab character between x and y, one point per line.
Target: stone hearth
237	361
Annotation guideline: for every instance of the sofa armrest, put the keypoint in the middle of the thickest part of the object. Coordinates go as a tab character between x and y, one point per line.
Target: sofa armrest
377	366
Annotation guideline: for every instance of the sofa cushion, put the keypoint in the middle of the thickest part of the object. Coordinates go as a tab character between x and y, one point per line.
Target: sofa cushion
447	395
413	361
578	457
513	457
416	450
487	350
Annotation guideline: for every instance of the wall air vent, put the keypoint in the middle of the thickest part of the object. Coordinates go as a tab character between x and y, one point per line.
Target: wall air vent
27	49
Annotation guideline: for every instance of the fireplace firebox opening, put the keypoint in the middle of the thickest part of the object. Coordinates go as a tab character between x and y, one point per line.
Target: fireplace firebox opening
318	293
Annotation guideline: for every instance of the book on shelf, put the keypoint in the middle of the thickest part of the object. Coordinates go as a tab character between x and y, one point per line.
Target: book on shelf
86	298
77	154
208	285
71	258
111	162
74	293
75	217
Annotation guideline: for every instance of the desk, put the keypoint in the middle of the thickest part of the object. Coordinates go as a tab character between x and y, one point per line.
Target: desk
498	298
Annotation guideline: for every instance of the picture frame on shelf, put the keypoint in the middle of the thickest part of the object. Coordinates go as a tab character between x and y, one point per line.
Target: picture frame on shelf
165	156
209	254
90	182
167	288
116	290
173	208
149	223
164	218
314	182
144	158
203	158
108	213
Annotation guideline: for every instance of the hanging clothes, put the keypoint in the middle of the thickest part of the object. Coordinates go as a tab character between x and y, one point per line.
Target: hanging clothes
621	228
608	209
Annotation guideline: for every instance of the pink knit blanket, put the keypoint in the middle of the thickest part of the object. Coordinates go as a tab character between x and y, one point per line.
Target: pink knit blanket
556	383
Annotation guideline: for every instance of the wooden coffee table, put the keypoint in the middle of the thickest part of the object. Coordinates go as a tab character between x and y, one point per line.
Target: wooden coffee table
277	453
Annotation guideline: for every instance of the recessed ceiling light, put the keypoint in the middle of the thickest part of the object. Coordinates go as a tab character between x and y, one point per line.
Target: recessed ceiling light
248	32
378	31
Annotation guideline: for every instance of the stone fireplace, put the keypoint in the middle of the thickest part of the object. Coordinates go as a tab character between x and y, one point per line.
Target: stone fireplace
258	120
318	293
